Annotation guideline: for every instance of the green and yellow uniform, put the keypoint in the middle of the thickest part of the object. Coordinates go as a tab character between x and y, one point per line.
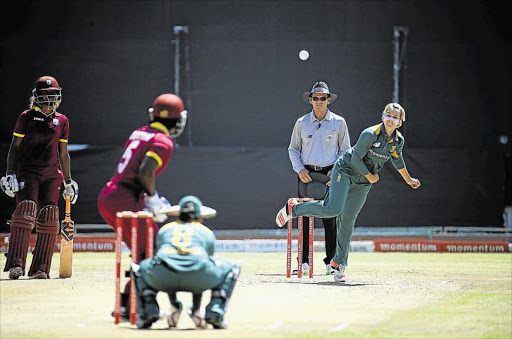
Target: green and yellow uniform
184	260
349	186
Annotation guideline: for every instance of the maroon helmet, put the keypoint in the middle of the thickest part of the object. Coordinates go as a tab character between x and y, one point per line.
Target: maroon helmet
170	111
47	93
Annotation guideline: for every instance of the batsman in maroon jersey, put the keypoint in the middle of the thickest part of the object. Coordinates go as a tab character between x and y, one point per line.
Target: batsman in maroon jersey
37	163
146	154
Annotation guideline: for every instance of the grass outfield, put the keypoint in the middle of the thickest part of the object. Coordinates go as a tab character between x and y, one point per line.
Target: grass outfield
388	295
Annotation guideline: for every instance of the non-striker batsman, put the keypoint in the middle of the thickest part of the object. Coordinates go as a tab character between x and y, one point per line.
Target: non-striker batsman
37	163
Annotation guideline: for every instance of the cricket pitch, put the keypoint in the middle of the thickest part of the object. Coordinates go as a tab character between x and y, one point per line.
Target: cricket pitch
387	295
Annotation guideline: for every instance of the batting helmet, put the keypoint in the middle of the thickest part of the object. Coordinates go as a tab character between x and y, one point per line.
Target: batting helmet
47	93
169	110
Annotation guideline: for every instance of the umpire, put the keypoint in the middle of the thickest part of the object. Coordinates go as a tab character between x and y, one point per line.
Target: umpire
317	140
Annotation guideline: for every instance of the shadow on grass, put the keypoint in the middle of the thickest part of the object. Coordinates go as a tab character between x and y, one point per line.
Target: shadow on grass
337	284
307	281
166	329
24	279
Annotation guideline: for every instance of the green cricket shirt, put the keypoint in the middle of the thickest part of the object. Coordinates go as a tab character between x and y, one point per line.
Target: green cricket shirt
185	247
371	152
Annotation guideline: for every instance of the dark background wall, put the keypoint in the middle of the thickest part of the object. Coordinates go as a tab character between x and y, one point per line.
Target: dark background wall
112	58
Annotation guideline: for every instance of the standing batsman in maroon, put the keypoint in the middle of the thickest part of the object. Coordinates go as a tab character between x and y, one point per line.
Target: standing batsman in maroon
146	154
37	163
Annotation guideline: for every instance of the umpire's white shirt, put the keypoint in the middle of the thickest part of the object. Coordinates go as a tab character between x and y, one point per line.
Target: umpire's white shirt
316	142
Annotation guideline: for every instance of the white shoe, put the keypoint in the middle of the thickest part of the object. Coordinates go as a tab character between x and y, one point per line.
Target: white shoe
172	319
283	217
305	269
329	269
339	273
197	317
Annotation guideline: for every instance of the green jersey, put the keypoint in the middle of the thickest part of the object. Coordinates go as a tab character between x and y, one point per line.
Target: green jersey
349	186
185	247
371	152
184	262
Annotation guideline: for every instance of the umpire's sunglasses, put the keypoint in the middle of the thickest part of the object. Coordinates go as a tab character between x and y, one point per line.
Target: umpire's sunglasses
319	98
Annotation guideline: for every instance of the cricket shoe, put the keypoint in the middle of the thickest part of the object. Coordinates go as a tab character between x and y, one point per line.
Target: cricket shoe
218	325
15	272
124	314
305	269
197	317
174	316
328	269
339	272
146	322
39	275
283	216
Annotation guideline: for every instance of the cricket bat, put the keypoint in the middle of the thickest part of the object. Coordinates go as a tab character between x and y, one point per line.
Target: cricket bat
67	232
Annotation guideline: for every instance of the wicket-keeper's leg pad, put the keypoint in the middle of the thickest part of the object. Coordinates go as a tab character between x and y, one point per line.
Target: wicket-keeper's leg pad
22	223
148	309
47	228
221	294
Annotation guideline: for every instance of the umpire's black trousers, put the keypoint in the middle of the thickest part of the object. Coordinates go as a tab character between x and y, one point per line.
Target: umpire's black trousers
329	227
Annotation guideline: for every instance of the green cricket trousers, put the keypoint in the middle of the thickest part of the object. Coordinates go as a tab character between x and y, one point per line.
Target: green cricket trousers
346	197
161	278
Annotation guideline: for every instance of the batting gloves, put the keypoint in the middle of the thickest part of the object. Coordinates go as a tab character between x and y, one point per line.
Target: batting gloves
156	204
10	185
70	190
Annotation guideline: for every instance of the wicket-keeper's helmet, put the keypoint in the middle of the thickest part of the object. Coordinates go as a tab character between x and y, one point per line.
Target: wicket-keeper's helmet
169	110
191	208
47	92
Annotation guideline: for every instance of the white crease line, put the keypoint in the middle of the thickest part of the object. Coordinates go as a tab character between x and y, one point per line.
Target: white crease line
340	327
272	326
275	325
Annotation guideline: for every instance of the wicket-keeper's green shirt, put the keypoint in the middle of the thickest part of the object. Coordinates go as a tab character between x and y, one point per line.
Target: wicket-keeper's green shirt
185	247
371	152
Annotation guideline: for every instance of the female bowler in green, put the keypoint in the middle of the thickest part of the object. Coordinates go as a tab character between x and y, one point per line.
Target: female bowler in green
353	175
185	261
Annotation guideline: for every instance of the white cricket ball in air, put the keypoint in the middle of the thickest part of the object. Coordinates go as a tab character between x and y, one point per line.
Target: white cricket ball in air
303	55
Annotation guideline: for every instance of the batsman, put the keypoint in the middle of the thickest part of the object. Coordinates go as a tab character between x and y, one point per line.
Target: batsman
37	164
146	155
185	261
